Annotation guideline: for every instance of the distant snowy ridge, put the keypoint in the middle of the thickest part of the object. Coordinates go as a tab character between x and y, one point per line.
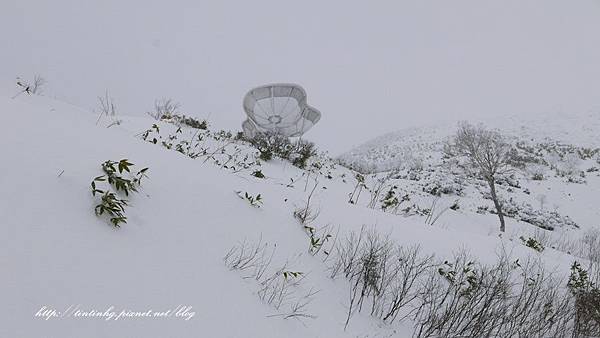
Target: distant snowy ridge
396	149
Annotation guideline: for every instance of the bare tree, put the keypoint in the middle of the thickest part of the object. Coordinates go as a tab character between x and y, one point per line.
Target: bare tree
487	152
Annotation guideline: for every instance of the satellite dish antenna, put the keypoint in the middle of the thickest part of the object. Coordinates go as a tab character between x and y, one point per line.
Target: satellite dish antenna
278	108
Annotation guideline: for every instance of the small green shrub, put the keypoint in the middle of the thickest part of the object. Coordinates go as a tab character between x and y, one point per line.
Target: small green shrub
113	206
110	203
271	144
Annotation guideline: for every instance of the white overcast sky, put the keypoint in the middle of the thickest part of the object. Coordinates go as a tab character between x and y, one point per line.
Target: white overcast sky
369	66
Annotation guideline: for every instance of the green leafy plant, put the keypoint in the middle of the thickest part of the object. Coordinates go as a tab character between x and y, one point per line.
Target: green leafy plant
110	203
316	241
291	274
255	201
113	206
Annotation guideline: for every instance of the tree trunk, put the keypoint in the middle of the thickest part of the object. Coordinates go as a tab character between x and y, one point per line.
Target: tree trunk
497	204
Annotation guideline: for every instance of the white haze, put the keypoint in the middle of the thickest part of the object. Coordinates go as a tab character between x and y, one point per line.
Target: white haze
369	66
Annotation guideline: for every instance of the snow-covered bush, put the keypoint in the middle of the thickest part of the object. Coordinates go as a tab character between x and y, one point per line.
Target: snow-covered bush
455	298
377	185
587	153
271	144
538	176
167	110
543	218
569	165
219	147
303	151
587	301
439	184
188	147
532	243
589	247
526	155
384	278
467	299
186	120
510	180
577	179
392	201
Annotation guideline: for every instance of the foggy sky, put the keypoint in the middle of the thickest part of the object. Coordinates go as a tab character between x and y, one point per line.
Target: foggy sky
369	66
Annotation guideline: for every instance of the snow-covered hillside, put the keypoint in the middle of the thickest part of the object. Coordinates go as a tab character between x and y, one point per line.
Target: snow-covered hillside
198	204
555	187
389	151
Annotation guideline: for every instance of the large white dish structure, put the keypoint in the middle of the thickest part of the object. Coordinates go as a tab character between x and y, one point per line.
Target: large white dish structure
279	108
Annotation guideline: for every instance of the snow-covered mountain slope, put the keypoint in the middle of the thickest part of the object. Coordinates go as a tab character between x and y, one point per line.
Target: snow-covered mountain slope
556	188
390	150
56	253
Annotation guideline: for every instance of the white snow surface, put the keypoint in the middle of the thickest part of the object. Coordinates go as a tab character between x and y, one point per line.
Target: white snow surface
55	252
